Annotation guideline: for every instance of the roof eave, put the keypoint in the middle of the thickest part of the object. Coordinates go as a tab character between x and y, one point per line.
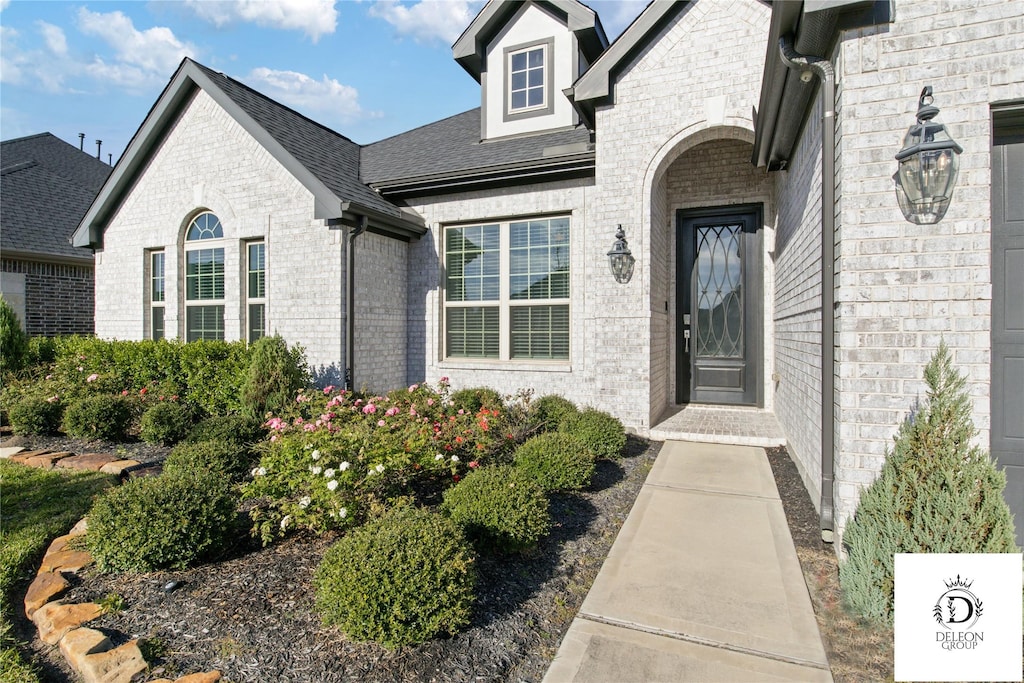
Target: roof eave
814	26
405	228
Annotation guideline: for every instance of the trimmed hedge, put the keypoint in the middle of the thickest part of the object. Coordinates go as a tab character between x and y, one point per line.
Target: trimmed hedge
558	461
165	423
98	417
475	398
551	410
399	580
602	433
225	458
237	429
501	508
171	521
34	415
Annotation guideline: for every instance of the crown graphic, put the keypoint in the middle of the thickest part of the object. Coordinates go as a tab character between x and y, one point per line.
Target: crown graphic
958	583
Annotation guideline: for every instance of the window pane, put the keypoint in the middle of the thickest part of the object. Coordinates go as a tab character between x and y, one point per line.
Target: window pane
519	99
519	80
157	276
536	57
204	322
472	332
536	78
540	332
204	274
257	270
519	61
472	263
535	97
157	322
526	79
205	226
256	321
539	259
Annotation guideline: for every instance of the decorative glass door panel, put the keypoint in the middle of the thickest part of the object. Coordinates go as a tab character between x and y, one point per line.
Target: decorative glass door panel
718	306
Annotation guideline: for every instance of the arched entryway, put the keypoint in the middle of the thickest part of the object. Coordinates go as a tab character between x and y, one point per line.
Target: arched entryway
711	236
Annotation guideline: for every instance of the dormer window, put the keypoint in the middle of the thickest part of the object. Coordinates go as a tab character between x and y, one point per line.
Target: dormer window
528	80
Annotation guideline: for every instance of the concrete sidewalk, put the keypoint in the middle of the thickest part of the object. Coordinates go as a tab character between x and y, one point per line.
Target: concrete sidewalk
701	584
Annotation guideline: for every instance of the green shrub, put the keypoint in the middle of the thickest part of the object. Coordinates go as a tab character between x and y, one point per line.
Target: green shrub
275	374
13	339
550	411
558	461
936	494
602	433
223	457
172	521
238	429
399	580
34	415
165	423
501	508
472	400
41	351
98	417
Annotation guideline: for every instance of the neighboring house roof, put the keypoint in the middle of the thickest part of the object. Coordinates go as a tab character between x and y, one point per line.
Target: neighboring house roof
813	26
470	50
46	185
326	163
448	156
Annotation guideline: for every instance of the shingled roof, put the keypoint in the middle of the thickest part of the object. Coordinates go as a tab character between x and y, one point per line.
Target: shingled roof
326	162
450	153
46	186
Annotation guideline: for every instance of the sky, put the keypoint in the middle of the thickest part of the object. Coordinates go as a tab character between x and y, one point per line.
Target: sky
368	69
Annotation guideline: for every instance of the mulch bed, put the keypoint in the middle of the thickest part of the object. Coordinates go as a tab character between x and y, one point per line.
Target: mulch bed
250	615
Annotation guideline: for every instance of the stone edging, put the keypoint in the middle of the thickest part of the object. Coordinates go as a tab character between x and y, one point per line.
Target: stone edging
88	651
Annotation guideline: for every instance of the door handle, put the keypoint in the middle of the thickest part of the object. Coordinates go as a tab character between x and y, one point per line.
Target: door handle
686	341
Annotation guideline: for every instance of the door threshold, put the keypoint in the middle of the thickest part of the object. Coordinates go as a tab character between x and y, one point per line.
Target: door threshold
734	425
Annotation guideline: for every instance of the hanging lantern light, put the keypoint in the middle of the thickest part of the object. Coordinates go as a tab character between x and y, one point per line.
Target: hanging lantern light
929	162
621	259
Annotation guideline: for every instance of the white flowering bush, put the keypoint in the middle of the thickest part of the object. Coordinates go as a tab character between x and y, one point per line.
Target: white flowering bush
334	453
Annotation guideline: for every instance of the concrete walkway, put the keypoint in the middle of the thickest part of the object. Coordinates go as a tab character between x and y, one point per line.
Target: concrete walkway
701	584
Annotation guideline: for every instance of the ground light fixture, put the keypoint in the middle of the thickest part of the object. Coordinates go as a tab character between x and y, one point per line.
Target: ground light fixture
929	162
620	258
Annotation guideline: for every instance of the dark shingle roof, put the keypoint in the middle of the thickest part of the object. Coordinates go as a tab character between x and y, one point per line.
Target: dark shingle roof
453	145
46	186
331	157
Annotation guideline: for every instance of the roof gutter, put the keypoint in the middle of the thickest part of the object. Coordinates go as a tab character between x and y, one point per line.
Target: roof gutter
808	67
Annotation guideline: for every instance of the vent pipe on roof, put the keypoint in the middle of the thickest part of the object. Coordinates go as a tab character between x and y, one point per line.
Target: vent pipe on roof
99	143
809	67
81	142
110	160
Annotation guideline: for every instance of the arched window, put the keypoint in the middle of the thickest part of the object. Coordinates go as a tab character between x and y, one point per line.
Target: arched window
204	279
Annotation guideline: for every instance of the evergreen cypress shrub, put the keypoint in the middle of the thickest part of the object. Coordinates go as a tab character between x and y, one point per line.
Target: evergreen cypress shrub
398	580
172	521
98	417
35	415
219	456
13	339
274	376
165	423
501	508
602	433
551	410
936	494
558	461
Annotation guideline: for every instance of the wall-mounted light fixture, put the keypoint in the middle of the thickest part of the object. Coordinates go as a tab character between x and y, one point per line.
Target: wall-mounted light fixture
929	162
620	258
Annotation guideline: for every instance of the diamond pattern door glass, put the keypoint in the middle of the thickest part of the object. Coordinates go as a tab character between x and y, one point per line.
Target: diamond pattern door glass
718	278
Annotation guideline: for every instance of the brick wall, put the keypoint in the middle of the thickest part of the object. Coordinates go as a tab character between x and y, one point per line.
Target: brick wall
58	297
381	298
209	162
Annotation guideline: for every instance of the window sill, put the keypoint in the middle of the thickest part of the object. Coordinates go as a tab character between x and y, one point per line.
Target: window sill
504	366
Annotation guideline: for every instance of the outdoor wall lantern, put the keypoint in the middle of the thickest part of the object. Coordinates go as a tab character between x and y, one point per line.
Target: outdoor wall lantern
928	166
620	258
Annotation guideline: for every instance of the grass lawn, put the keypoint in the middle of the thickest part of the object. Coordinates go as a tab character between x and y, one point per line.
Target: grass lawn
36	506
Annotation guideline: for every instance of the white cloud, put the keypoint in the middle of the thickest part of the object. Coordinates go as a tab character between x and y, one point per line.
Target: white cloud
326	97
4	4
428	20
313	17
152	54
54	37
10	57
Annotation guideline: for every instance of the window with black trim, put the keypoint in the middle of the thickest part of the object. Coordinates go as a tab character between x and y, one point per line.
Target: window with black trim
157	294
507	290
256	290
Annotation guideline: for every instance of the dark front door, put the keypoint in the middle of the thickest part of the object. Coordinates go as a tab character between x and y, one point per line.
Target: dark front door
718	305
1007	433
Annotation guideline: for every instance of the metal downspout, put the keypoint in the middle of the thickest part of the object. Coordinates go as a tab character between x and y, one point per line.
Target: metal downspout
350	305
822	68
